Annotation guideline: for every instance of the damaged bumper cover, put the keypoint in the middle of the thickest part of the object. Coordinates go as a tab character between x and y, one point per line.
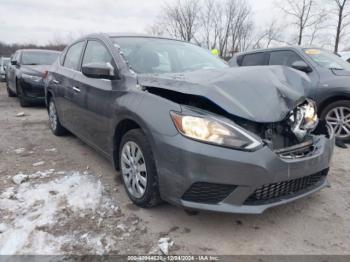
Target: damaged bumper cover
206	177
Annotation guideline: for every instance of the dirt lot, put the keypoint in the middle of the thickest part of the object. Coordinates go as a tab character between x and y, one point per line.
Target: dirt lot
76	204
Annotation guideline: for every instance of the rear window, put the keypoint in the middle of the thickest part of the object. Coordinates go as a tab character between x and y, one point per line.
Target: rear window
253	59
38	58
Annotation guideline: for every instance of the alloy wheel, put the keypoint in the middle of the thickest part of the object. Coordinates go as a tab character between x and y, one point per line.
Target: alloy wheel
339	119
133	168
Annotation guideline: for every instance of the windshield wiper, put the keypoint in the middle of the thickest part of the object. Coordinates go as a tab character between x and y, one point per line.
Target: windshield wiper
336	68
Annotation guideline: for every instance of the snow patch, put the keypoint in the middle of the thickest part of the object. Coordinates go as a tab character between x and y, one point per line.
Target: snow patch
164	244
33	208
39	163
19	178
20	114
19	150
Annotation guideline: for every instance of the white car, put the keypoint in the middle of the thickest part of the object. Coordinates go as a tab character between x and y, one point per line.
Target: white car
3	64
345	55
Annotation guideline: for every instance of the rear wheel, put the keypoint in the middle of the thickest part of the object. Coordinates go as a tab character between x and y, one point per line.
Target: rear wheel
337	115
55	123
138	169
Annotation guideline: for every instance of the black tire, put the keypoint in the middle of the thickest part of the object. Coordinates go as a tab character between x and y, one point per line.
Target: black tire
150	197
57	129
22	101
9	92
330	107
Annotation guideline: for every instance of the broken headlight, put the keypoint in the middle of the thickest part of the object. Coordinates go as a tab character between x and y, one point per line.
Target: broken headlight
214	131
304	119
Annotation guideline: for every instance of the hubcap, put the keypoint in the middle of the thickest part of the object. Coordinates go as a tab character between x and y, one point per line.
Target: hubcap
133	168
339	119
52	115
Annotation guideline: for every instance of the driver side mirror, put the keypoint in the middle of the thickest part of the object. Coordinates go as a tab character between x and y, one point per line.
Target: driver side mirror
302	66
99	70
13	62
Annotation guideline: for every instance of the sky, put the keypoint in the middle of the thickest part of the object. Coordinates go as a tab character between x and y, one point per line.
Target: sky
39	22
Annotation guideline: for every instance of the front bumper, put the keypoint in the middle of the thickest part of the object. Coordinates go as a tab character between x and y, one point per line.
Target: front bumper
183	164
33	91
2	77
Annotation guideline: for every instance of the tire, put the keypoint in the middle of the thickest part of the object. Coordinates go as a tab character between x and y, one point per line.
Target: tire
142	168
9	92
340	124
22	101
54	122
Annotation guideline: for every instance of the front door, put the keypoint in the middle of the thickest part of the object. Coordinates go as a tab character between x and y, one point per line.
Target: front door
94	98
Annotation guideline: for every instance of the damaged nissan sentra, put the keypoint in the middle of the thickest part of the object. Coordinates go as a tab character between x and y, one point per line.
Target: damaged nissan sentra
183	127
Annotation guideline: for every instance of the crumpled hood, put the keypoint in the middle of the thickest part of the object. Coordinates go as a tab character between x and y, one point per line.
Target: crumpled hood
37	70
261	94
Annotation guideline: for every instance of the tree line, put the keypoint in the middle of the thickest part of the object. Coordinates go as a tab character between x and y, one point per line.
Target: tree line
8	49
228	25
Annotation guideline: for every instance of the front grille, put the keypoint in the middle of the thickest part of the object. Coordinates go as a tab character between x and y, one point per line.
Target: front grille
207	193
274	192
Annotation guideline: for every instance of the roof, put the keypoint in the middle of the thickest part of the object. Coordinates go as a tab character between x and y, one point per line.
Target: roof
38	50
111	35
278	49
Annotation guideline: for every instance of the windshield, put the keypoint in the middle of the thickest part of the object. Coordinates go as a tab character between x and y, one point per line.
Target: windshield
154	55
38	58
327	59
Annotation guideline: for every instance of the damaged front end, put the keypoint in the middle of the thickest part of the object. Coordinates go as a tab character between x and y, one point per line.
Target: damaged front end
296	135
272	105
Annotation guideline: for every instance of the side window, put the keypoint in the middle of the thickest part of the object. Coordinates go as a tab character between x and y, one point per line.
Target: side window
73	56
96	52
286	58
253	59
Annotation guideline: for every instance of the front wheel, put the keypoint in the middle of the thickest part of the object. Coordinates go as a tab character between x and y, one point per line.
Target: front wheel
138	169
22	101
337	115
55	123
9	92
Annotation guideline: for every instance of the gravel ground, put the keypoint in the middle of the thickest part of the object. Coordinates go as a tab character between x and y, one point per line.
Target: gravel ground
76	204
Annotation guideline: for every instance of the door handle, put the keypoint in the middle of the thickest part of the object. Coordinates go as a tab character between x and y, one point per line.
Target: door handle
55	81
76	89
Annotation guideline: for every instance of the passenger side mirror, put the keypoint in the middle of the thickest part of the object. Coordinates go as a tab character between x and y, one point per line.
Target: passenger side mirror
302	66
13	62
99	70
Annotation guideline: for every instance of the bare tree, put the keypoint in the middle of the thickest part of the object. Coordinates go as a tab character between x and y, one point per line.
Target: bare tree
209	23
233	26
318	26
303	13
180	20
342	21
272	33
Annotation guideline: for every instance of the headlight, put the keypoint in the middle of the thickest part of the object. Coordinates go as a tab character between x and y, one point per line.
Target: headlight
304	119
31	77
214	131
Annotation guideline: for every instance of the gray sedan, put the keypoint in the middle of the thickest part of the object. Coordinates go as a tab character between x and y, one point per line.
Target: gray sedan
184	127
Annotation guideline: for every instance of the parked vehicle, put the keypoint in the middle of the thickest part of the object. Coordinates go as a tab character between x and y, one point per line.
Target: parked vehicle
345	55
3	64
184	127
329	74
25	75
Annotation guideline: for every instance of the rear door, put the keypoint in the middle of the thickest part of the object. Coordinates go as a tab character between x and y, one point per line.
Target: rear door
95	98
63	81
253	59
